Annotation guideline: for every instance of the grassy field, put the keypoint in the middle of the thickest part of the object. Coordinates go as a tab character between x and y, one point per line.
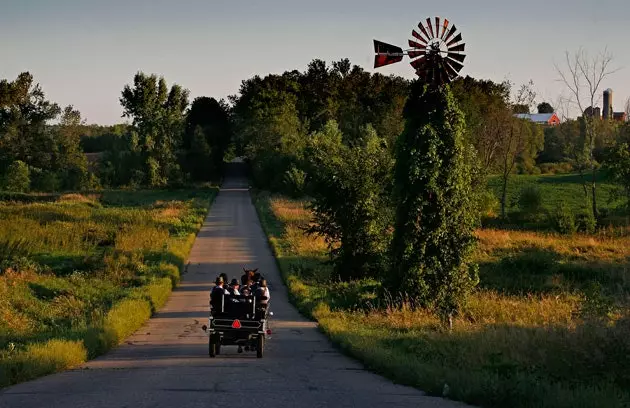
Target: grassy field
556	189
549	325
79	273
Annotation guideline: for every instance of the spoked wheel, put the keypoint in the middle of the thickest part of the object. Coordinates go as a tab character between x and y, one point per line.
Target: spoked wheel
260	346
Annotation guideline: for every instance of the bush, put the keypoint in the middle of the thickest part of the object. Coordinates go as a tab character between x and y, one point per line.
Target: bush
585	221
44	181
556	168
488	204
17	177
295	180
530	200
564	220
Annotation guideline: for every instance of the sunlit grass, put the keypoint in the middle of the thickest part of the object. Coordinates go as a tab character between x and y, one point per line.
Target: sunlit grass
548	326
85	271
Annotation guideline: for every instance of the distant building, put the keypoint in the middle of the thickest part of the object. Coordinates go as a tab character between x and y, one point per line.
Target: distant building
608	104
595	112
608	113
545	119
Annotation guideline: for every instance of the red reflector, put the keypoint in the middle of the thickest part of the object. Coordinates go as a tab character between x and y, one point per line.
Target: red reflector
269	332
236	324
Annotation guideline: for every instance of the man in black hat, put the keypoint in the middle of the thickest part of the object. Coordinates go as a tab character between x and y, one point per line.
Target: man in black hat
234	287
217	293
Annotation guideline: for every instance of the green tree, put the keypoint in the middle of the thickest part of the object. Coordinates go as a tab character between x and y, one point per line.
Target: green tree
212	119
484	104
24	134
618	164
433	236
350	190
545	107
72	162
269	129
583	78
157	130
17	178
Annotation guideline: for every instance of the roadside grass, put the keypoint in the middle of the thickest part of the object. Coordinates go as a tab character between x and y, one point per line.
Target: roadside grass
79	273
548	326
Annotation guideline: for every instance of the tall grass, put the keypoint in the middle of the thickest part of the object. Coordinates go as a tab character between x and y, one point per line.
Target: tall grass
549	325
80	273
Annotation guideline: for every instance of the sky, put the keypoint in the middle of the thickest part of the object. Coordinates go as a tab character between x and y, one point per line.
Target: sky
83	52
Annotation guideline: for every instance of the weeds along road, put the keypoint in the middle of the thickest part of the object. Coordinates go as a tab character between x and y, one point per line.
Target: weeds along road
166	363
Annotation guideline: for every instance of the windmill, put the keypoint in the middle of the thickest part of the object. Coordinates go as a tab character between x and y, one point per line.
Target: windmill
436	52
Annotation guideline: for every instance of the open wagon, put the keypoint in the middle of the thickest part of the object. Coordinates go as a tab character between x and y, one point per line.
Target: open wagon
237	320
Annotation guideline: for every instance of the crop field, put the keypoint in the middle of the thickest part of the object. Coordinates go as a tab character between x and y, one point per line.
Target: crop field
548	326
79	273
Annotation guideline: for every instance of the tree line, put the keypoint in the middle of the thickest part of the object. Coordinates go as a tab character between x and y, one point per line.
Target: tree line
334	133
168	142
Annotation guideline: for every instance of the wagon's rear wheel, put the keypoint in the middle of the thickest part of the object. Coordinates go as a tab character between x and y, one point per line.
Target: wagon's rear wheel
260	346
213	346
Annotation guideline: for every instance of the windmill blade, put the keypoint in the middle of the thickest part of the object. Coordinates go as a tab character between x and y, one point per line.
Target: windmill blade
457	39
455	56
449	70
380	60
384	48
430	27
444	28
415	54
414	44
458	48
418	36
454	64
450	33
437	27
424	31
386	54
419	63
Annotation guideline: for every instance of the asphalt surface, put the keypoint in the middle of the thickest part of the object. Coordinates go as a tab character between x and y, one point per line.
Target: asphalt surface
166	363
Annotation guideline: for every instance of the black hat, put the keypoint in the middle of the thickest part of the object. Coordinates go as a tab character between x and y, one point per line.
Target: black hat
234	282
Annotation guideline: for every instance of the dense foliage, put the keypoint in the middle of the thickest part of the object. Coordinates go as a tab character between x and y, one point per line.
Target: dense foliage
433	233
52	153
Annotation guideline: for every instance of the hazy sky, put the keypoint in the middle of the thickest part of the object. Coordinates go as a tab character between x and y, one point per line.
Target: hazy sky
83	52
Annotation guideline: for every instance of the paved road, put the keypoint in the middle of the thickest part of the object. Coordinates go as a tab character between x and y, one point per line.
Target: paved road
166	364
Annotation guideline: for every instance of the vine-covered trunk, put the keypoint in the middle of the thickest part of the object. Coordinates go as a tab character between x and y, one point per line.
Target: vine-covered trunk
433	237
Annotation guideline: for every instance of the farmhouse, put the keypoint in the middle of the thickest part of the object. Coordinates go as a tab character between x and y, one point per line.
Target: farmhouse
546	119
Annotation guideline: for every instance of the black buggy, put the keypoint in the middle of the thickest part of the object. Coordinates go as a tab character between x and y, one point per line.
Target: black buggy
239	320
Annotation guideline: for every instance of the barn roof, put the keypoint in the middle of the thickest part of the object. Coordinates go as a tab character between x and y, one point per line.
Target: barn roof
536	117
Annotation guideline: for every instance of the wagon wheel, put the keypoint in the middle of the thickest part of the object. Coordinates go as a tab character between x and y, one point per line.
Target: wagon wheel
260	346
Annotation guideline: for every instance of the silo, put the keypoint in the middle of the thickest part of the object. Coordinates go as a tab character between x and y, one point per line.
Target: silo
608	106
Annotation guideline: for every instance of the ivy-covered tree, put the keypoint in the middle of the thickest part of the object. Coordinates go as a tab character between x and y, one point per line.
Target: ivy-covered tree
433	235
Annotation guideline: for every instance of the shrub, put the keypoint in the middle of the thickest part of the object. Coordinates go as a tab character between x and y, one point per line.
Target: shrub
564	220
585	221
530	200
556	168
295	180
17	177
488	204
45	181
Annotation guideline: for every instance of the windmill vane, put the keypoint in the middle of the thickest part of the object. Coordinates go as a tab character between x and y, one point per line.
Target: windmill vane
436	51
